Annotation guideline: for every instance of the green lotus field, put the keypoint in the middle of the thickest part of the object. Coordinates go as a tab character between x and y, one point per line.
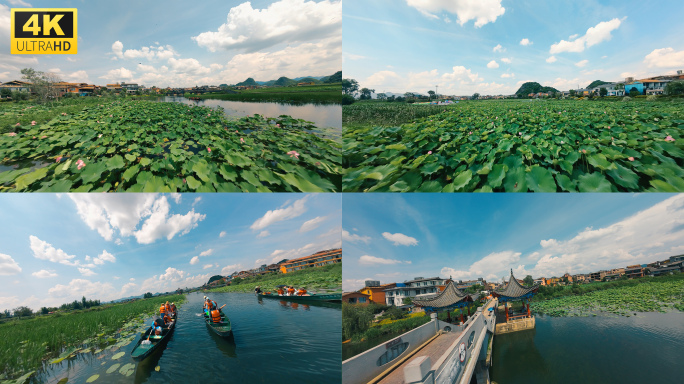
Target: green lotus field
144	146
520	146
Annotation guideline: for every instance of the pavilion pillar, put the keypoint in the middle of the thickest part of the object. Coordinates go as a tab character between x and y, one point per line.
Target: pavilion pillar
528	310
468	310
462	321
506	309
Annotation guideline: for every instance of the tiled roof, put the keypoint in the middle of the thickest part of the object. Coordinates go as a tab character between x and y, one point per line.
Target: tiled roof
514	289
450	296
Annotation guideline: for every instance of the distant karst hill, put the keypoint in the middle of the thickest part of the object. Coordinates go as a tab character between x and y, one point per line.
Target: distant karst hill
596	83
286	81
533	87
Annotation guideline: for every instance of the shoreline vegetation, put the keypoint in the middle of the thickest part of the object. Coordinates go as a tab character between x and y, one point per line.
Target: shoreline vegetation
515	146
316	94
29	344
620	297
147	146
326	279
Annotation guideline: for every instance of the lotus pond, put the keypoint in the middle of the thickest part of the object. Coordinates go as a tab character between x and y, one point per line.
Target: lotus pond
26	345
145	146
647	296
520	146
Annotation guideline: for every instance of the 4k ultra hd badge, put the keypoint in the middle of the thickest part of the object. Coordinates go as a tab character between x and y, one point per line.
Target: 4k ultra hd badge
44	31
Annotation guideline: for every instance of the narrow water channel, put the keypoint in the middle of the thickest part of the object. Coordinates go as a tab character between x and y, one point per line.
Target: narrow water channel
274	342
646	348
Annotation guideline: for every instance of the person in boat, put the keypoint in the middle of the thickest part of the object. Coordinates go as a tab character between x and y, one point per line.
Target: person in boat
216	315
173	308
158	323
280	291
257	290
158	331
301	292
168	308
167	319
290	291
162	310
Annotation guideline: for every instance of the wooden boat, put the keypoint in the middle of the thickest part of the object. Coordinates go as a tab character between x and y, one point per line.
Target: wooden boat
327	297
223	329
141	351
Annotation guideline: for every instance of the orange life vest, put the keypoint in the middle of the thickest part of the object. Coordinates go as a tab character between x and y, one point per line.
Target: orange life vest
301	292
173	308
215	316
168	308
280	291
210	304
290	291
162	309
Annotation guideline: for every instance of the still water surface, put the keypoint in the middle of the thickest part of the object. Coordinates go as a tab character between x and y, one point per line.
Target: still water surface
647	348
322	115
274	342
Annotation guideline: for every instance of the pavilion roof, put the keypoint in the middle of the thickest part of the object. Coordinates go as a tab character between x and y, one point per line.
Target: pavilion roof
514	289
449	297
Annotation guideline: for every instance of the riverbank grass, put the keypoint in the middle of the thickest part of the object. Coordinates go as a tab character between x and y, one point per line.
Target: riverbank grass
326	279
28	344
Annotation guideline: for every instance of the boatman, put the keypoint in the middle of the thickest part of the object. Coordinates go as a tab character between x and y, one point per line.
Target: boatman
173	307
257	290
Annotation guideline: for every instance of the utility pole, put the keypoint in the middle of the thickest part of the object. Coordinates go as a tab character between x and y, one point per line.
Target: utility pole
436	90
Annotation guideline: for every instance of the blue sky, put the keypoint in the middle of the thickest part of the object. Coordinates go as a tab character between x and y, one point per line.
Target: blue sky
55	248
397	237
493	46
181	43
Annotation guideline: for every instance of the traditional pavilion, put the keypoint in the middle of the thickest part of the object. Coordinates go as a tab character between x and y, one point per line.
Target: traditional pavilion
450	298
514	291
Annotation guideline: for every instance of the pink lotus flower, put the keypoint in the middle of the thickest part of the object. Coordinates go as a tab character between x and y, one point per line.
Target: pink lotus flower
100	135
64	114
111	115
58	159
43	137
294	154
519	133
208	149
562	142
12	133
318	163
278	125
80	163
630	158
669	138
584	151
184	181
17	124
242	140
429	152
33	122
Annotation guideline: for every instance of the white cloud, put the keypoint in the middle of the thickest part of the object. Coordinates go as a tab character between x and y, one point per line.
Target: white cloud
263	234
194	260
399	239
372	260
43	273
172	279
118	241
119	75
499	48
197	200
353	238
86	272
45	251
665	58
78	288
492	64
108	213
228	269
459	80
207	252
551	59
8	266
223	234
482	11
597	34
149	53
207	266
104	256
490	267
506	60
276	215
19	3
312	224
177	197
507	75
581	63
525	41
285	21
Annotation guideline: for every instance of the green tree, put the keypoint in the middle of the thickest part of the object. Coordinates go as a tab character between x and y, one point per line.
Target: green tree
674	88
432	94
147	295
634	92
5	92
23	311
366	93
382	96
348	100
42	84
573	93
407	301
236	281
475	96
349	86
603	92
528	280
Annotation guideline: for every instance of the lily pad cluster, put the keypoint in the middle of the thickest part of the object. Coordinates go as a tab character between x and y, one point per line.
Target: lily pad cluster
624	301
514	146
143	146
